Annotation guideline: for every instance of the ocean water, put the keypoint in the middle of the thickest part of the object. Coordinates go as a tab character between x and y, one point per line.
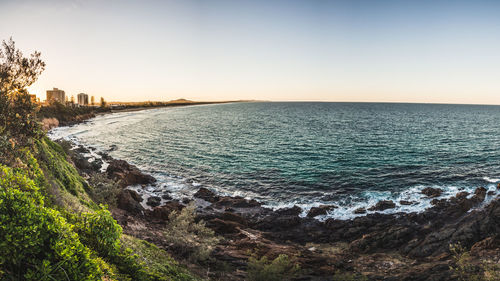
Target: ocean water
306	153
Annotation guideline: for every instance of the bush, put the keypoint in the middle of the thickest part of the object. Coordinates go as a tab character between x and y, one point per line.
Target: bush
190	238
281	268
159	264
465	270
36	243
104	190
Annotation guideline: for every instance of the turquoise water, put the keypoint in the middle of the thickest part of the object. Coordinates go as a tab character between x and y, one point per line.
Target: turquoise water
347	154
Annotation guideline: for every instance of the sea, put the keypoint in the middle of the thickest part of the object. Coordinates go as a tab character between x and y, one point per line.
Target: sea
350	155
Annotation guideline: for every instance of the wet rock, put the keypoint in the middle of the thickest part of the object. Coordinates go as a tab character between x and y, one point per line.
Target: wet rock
186	200
321	210
127	174
383	205
125	201
479	194
236	202
462	195
293	211
154	201
166	196
207	195
498	186
491	193
406	203
360	211
432	192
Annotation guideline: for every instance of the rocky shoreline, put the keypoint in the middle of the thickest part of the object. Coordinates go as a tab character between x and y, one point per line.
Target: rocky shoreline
402	246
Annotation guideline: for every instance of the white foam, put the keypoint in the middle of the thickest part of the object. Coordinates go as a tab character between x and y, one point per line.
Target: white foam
493	180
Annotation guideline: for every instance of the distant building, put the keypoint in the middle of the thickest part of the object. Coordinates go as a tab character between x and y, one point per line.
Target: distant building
83	99
56	95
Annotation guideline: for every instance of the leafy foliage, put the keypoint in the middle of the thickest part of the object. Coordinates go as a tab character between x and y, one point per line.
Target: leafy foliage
159	264
40	243
464	270
188	237
17	112
263	269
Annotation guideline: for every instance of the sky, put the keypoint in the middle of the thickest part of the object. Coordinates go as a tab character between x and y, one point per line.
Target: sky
318	50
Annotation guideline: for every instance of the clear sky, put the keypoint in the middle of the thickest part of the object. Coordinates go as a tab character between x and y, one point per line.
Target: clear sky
373	50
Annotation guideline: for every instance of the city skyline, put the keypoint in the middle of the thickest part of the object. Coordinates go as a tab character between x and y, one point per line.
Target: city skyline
358	51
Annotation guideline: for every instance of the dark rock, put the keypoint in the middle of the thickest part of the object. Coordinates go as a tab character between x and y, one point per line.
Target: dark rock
127	174
462	195
293	211
236	202
383	205
153	201
164	211
321	210
491	193
166	196
479	194
432	192
223	227
228	216
125	201
137	197
186	200
404	202
207	195
360	211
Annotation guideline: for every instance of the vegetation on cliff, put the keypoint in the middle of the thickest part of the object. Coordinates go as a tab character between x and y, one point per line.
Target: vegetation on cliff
50	228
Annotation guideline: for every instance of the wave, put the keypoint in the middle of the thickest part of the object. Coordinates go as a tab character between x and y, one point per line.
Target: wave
493	180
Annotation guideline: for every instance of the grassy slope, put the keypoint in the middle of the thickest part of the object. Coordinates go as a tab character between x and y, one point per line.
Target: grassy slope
66	192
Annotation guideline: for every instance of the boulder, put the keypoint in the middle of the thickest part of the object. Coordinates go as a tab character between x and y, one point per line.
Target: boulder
127	174
164	211
223	227
383	205
405	202
207	195
154	201
125	201
479	194
228	216
321	210
360	211
293	211
432	192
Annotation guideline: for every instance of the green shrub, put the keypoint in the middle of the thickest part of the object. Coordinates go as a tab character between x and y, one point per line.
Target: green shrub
281	268
103	190
99	231
36	243
158	263
53	159
190	238
464	270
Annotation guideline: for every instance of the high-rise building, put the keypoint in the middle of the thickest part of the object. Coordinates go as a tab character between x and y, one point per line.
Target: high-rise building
56	95
83	99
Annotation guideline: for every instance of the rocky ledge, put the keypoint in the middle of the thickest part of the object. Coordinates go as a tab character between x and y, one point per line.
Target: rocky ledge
402	246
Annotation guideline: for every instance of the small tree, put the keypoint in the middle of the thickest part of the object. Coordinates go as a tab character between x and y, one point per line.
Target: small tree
17	111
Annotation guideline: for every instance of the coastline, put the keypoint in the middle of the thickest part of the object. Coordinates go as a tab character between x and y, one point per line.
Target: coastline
92	112
380	246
